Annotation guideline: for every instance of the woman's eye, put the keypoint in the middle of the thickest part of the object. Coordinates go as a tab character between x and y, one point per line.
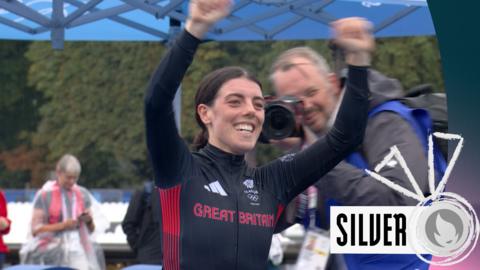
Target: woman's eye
234	102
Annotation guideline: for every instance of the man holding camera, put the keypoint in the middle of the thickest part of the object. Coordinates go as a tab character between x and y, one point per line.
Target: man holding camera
302	73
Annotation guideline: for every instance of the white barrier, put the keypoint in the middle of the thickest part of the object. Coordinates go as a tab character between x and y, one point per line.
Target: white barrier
20	214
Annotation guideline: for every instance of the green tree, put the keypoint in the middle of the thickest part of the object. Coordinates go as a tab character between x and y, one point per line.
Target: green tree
412	60
18	115
94	94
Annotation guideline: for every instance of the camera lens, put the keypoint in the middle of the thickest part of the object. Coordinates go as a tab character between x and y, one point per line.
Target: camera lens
279	122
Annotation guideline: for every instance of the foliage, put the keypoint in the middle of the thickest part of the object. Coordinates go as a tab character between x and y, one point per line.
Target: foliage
92	99
18	112
94	95
17	100
413	61
18	162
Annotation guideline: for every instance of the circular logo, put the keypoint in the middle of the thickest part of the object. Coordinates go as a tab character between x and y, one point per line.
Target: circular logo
446	228
443	228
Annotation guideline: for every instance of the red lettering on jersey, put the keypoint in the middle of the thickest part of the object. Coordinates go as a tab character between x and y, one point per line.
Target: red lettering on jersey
264	220
241	217
215	214
207	211
226	215
223	215
197	209
250	219
230	214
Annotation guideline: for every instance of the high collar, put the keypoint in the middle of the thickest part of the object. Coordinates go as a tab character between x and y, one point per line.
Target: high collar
223	157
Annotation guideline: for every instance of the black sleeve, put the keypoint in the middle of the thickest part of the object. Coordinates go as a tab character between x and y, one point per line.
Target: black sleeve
352	186
131	222
287	177
346	185
349	185
169	153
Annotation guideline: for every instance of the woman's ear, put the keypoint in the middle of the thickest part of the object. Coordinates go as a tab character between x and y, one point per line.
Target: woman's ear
204	113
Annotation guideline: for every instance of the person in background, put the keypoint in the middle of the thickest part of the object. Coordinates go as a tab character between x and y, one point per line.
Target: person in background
62	222
142	225
302	73
4	228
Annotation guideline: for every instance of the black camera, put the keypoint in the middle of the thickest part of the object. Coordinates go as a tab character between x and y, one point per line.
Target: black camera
281	114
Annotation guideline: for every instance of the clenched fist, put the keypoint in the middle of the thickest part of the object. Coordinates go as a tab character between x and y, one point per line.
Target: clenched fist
203	14
354	36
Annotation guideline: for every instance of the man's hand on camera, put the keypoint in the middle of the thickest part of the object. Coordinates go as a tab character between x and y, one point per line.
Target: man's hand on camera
295	144
203	14
354	36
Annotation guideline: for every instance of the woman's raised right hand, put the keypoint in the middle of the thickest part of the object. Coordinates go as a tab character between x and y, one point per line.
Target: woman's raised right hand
205	13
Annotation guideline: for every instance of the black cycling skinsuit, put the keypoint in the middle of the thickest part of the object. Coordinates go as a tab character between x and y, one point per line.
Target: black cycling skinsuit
217	213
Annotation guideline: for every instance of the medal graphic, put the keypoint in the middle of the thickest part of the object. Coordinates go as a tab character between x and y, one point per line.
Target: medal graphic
443	224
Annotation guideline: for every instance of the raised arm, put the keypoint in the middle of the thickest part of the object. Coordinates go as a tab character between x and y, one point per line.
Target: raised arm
168	152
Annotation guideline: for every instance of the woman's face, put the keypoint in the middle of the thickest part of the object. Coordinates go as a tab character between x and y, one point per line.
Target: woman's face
66	179
235	119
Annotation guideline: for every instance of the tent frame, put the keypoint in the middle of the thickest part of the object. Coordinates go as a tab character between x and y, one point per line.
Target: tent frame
88	12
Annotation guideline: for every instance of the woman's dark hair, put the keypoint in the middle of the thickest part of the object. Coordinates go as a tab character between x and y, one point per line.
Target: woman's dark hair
207	91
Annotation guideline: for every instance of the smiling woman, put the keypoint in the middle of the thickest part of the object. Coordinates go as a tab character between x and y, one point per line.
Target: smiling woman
230	112
218	213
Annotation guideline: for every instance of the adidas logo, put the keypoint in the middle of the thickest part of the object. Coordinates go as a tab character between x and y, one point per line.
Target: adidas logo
215	187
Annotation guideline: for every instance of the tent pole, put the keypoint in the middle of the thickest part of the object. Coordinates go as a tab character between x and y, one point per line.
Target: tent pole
57	25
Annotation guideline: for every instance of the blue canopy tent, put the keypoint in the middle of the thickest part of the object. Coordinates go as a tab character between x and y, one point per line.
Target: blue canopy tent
115	20
160	20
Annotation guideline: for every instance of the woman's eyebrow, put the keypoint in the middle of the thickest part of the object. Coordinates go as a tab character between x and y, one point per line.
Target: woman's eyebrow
234	95
242	96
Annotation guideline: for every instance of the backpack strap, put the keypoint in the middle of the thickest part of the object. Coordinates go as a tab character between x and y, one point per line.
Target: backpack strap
357	160
418	119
